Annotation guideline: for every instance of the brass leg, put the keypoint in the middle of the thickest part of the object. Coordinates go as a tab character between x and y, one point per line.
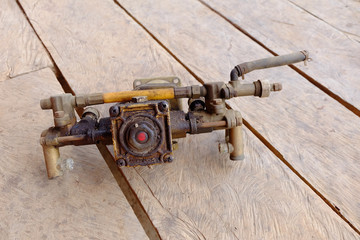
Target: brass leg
52	161
236	140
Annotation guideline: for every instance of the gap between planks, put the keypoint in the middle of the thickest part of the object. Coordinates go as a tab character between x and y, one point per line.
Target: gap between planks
123	183
246	123
331	94
58	74
282	159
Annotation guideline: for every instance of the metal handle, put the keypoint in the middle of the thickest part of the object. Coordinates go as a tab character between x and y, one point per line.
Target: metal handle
246	67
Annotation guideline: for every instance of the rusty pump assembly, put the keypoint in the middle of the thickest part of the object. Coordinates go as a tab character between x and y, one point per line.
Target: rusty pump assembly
143	122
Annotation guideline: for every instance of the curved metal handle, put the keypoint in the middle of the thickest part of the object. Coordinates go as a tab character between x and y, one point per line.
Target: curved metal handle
246	67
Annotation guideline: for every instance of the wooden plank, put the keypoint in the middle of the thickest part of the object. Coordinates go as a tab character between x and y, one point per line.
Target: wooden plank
210	197
295	121
84	203
20	49
201	194
342	15
283	28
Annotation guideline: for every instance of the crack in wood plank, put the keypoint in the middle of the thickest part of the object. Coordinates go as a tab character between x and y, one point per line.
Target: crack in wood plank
20	51
59	75
25	73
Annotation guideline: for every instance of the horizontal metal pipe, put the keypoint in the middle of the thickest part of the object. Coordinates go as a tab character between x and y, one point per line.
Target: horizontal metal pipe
123	96
246	67
67	139
272	62
152	94
246	89
212	124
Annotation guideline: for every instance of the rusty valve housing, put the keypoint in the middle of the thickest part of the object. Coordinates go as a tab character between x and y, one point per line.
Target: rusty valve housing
144	122
141	133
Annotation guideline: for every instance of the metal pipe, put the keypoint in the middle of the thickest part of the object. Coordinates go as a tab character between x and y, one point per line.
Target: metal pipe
52	161
246	89
212	124
152	94
67	139
236	140
260	88
246	67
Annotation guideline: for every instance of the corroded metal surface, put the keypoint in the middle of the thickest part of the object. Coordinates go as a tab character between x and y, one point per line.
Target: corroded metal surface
141	133
144	122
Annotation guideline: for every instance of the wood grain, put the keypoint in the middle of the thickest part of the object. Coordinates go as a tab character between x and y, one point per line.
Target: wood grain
20	50
202	194
84	203
311	130
343	15
284	27
210	197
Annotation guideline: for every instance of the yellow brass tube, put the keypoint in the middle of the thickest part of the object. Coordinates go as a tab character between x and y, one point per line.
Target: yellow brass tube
212	124
152	94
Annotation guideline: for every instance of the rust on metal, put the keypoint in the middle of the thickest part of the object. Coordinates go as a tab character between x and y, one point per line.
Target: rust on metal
143	122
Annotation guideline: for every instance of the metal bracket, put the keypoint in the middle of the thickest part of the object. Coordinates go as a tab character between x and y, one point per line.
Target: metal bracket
160	82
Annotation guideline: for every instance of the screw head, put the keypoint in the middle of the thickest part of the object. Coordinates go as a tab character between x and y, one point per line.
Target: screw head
114	111
163	106
169	158
120	162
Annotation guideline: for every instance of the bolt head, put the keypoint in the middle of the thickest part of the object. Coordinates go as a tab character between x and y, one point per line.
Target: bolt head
169	158
163	106
114	111
120	162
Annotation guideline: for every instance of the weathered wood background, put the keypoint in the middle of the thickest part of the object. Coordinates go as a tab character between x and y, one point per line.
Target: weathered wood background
300	179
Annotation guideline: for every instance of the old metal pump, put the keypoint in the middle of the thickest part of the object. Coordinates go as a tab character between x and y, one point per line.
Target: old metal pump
144	122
